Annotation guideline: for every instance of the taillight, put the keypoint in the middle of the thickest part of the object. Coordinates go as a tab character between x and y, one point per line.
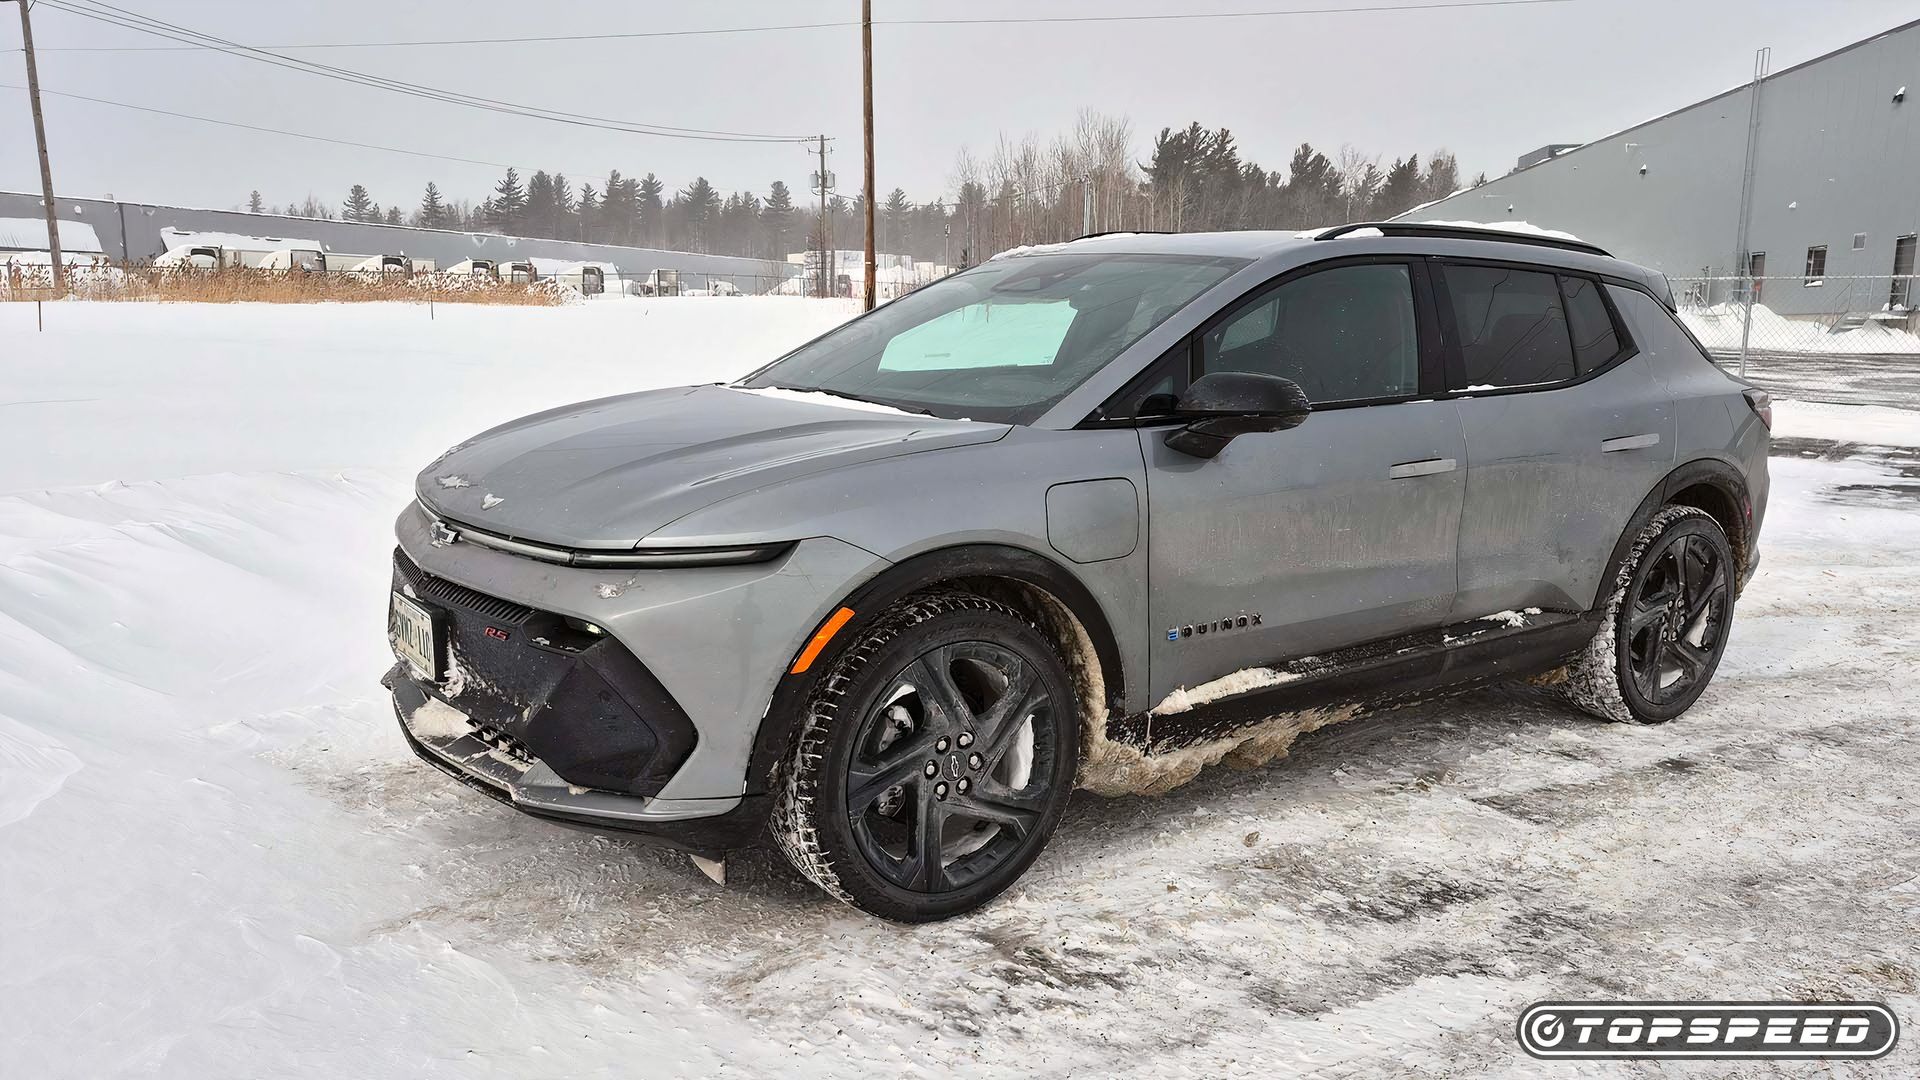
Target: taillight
1762	404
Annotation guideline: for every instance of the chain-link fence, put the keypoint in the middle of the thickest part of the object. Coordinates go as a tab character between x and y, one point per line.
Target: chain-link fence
1852	340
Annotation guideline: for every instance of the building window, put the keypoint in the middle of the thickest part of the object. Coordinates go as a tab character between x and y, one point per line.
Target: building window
1859	241
1901	296
1756	273
1816	266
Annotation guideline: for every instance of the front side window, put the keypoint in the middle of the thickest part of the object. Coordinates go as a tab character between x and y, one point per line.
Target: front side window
1003	341
1512	327
1344	334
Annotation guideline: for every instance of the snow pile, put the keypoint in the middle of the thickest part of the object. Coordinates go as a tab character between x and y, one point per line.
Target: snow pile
1719	329
214	847
1872	425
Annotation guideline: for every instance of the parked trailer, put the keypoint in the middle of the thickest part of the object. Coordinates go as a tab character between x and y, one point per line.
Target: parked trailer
195	257
380	264
298	260
659	283
519	272
587	278
476	268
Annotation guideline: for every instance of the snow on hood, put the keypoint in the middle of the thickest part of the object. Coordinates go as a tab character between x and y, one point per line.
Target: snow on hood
820	397
604	474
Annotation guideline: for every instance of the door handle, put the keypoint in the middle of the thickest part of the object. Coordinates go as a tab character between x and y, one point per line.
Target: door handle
1630	442
1429	467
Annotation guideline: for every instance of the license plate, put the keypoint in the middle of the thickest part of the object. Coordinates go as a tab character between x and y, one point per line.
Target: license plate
416	635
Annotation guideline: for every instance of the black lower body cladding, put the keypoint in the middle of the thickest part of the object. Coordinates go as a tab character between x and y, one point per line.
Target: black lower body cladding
551	688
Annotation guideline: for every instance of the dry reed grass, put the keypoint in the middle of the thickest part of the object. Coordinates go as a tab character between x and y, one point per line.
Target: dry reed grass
245	286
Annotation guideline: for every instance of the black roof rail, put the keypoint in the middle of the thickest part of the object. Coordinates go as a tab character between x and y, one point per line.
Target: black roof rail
1125	232
1458	232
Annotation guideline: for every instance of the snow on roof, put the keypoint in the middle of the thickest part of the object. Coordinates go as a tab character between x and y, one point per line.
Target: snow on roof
30	234
1524	227
550	266
175	238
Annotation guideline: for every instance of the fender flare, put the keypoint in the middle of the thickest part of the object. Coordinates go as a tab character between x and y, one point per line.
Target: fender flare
873	597
1712	472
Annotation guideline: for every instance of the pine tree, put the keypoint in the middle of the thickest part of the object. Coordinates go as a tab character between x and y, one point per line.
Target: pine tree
700	204
1400	191
589	213
894	221
777	218
394	217
255	204
433	211
1442	179
542	214
509	204
565	227
649	213
359	204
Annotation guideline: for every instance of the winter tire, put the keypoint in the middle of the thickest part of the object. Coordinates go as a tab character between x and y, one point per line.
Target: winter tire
1665	625
933	760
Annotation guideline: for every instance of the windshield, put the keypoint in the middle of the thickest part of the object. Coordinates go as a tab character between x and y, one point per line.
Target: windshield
1003	341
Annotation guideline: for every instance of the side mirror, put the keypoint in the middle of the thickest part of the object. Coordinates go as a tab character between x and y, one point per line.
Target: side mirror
1226	404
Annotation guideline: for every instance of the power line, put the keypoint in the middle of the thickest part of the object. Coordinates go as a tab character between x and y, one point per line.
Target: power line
533	39
959	21
272	130
125	19
1196	15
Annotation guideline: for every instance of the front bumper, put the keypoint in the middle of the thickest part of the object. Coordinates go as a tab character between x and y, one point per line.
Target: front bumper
500	768
693	655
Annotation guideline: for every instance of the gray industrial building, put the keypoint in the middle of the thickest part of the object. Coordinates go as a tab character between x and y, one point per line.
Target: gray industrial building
1835	184
132	231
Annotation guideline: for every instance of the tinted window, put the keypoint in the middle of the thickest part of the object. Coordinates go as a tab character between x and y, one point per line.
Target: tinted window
1513	331
1002	341
1343	334
1594	340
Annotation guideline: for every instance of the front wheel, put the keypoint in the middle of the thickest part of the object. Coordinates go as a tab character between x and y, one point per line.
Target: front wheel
1666	624
934	760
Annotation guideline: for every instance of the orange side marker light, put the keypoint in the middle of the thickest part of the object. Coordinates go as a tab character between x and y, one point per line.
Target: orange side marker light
819	640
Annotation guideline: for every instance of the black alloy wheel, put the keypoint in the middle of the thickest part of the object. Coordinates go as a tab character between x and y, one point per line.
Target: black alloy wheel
940	786
934	759
1675	620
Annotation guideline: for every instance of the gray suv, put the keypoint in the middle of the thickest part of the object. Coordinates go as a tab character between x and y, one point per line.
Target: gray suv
1097	514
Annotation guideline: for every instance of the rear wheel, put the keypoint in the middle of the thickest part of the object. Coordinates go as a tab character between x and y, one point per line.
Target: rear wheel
1666	624
934	760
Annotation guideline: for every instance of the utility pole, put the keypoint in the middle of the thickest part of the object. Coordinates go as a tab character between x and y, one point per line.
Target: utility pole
821	178
40	137
866	105
1086	205
1762	61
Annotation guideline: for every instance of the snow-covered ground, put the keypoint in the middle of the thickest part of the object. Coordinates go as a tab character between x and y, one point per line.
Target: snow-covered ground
217	859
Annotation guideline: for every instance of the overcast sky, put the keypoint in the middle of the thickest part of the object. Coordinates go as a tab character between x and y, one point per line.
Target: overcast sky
1488	83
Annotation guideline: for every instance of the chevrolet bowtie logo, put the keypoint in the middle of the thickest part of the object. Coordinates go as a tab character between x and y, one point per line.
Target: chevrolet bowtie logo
444	533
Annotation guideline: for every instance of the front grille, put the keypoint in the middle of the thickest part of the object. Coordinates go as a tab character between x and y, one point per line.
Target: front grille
503	742
459	595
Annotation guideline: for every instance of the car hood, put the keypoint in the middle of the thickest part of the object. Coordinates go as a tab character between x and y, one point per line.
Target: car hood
603	474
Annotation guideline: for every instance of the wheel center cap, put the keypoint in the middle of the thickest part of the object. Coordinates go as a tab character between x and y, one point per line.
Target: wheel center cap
953	767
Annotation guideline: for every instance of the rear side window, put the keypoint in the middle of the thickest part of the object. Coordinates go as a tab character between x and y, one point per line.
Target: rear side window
1512	327
1595	341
